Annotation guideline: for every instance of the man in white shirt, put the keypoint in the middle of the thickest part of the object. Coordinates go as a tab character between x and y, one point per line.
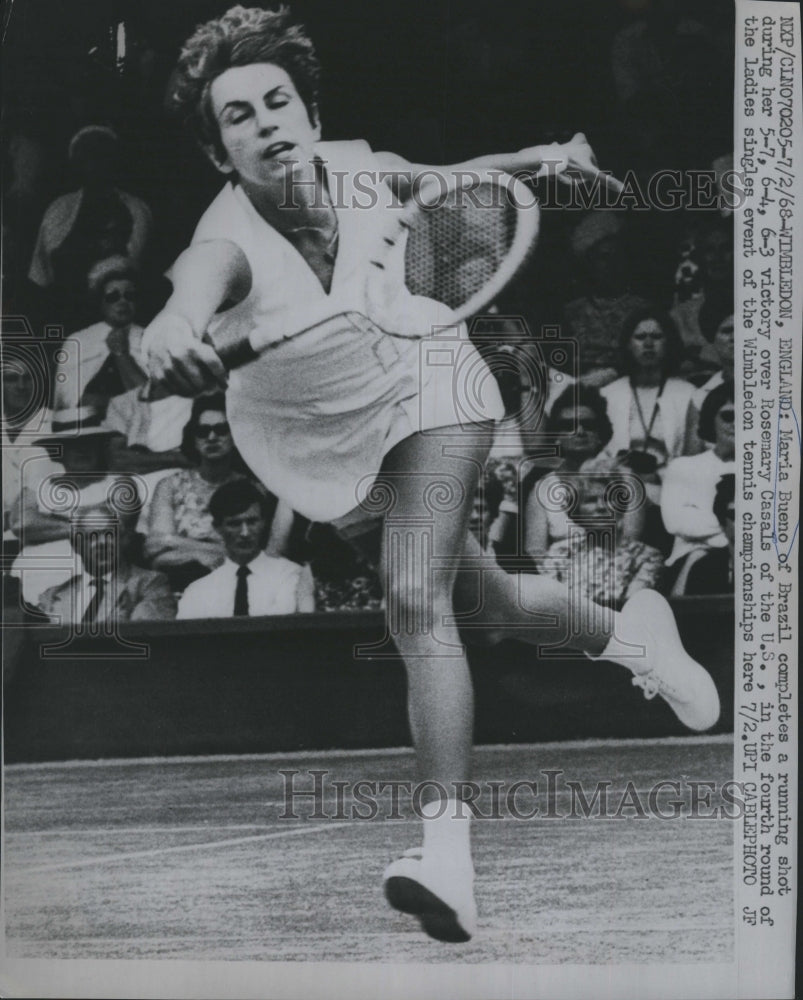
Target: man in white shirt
249	582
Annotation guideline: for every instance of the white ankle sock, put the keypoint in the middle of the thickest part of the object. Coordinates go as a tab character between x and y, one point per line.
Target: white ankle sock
447	830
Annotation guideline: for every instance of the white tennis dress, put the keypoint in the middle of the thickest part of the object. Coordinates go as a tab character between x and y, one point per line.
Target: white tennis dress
315	416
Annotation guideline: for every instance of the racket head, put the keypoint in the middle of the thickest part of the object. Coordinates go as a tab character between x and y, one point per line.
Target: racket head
468	237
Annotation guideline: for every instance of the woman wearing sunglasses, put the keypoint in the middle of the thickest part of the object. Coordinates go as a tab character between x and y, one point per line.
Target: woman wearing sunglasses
579	420
181	539
690	486
104	360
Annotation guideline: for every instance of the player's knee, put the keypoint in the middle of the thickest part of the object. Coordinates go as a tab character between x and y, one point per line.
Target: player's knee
418	601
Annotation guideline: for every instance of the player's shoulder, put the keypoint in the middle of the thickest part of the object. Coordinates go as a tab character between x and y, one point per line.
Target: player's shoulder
347	154
224	219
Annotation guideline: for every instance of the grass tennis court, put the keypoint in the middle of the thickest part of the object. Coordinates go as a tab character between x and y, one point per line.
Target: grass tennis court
188	858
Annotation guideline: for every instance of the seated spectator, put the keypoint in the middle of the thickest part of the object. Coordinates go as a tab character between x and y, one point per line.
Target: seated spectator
608	567
108	588
25	418
88	225
579	419
712	573
595	319
690	488
43	520
249	582
181	539
649	409
106	359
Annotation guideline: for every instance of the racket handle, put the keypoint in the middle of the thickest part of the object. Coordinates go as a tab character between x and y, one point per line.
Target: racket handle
233	349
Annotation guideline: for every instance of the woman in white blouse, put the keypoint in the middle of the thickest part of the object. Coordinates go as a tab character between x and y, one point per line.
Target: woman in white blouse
649	407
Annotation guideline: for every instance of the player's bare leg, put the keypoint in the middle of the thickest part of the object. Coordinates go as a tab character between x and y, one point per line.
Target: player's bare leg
643	637
424	534
426	540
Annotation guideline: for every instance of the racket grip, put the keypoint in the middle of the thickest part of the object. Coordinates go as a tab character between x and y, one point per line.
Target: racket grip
234	350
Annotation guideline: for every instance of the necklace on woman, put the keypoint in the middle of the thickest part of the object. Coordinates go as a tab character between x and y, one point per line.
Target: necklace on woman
644	426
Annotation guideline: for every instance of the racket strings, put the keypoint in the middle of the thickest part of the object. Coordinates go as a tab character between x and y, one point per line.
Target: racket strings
453	250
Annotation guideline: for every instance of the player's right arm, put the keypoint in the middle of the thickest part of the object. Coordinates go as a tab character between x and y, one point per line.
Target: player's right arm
205	276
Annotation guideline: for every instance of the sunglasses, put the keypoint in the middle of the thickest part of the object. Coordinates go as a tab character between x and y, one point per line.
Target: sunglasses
116	295
726	416
205	430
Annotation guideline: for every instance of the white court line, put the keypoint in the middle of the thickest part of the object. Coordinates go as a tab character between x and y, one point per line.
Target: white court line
304	755
159	851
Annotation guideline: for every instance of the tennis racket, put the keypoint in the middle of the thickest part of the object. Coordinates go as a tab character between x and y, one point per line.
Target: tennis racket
458	241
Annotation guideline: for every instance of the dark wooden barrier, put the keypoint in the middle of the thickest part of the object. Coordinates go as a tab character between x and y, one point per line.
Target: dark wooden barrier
289	683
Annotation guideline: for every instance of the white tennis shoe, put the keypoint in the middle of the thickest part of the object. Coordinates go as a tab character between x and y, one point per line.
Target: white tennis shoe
666	669
438	892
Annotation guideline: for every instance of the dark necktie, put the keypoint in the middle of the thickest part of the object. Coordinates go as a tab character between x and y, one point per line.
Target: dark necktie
241	592
91	613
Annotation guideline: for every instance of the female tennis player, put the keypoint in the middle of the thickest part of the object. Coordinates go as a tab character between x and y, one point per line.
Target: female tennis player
347	425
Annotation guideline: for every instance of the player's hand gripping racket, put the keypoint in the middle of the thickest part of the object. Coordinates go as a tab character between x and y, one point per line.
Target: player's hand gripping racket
458	241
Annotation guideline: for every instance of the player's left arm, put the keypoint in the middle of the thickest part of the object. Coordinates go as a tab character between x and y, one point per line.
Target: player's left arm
569	162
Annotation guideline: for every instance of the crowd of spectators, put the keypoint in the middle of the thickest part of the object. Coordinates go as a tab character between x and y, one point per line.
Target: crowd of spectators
613	470
639	447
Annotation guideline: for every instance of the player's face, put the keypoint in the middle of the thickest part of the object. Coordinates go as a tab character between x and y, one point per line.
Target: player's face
648	344
243	534
213	436
723	343
264	124
117	302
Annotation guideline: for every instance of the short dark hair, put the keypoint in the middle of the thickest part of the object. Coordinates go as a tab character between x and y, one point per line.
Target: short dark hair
236	496
712	404
574	397
674	344
241	37
724	496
